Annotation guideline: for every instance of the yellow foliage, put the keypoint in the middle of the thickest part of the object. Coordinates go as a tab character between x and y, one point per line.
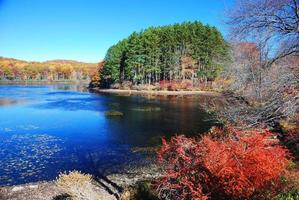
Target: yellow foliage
77	185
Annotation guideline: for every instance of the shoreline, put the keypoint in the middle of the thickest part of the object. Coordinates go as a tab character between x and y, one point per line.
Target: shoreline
41	82
155	92
110	187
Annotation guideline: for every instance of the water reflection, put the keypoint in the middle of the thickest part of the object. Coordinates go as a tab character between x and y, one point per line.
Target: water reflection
59	128
73	87
5	102
26	156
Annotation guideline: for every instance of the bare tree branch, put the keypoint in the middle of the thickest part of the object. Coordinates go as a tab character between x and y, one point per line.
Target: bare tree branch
251	19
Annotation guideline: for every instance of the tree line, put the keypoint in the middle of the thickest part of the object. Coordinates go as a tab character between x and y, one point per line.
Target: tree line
56	70
189	50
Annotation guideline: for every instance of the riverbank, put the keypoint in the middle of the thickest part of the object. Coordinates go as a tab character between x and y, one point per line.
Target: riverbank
155	92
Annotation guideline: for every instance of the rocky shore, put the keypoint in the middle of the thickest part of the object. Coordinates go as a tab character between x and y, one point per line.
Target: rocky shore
113	187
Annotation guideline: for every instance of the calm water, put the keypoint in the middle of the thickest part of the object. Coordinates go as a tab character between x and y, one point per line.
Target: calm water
48	129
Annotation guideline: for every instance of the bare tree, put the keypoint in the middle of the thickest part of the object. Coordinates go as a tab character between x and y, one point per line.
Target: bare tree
276	22
261	96
246	70
261	72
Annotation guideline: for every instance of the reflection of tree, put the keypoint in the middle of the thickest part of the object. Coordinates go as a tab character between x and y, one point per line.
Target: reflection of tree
4	102
118	160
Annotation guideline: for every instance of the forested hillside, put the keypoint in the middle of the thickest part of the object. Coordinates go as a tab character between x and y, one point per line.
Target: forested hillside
55	70
187	51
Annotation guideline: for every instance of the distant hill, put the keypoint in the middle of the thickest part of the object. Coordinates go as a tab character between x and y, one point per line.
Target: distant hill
53	70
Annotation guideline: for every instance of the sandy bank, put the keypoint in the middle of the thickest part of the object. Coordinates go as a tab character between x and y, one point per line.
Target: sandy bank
153	92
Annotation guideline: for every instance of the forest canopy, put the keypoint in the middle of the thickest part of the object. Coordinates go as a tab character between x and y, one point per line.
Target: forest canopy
189	50
55	70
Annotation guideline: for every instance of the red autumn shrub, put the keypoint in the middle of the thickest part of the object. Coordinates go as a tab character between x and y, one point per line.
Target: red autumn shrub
176	85
172	86
168	85
237	166
186	85
163	84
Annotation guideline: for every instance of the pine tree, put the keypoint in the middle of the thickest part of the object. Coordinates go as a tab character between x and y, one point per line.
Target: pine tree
156	54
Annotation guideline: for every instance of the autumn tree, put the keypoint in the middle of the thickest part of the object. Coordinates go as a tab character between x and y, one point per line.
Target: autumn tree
18	70
7	72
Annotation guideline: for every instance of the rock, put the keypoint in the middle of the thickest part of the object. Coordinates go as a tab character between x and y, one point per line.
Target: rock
17	188
33	186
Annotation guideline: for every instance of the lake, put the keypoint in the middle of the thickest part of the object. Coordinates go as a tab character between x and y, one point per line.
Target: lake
47	129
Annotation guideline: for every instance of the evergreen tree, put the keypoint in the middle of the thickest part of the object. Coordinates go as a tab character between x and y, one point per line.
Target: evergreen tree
156	54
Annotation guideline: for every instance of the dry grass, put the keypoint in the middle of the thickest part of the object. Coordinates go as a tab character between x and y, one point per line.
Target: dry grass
80	187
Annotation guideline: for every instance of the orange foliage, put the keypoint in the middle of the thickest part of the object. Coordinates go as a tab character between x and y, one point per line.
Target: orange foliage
55	70
176	85
238	166
248	49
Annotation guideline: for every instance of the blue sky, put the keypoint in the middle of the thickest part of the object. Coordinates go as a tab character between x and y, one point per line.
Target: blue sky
39	30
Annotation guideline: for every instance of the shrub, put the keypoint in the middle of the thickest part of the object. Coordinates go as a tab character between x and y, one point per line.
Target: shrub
291	139
293	195
126	85
240	165
289	185
176	85
115	86
145	87
169	85
172	86
77	185
186	85
163	85
143	191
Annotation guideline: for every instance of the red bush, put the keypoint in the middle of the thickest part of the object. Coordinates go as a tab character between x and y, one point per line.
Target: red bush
176	85
168	85
186	85
172	86
163	84
237	166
